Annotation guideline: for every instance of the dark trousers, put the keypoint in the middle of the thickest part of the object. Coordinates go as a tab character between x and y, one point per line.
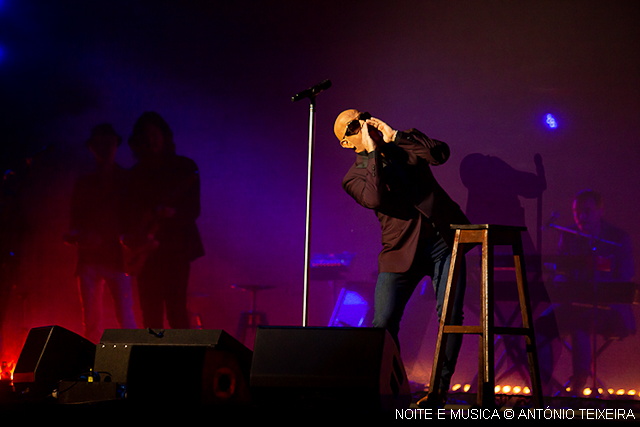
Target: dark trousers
393	291
162	285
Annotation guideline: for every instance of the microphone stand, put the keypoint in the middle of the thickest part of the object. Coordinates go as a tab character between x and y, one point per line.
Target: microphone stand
310	93
307	232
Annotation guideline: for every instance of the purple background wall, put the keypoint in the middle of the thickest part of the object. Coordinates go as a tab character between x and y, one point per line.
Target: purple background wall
479	75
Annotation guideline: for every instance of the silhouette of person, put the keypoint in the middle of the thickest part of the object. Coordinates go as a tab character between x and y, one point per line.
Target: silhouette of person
95	227
494	192
164	197
494	188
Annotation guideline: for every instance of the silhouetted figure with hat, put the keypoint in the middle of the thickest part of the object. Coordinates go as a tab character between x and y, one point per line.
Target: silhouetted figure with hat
95	228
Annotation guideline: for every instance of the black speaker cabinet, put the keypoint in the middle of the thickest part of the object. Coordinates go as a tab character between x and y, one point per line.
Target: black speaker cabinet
341	368
175	365
51	354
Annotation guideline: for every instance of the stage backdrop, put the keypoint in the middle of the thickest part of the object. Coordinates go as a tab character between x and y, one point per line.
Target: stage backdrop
489	78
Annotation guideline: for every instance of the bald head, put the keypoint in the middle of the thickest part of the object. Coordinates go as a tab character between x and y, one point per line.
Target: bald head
355	139
340	125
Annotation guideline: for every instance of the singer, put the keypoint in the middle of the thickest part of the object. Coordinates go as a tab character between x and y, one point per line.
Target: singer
392	176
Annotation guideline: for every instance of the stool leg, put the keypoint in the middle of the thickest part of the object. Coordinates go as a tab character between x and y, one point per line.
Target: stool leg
527	321
441	343
486	378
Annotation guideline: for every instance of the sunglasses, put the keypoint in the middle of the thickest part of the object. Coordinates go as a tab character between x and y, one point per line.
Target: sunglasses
353	127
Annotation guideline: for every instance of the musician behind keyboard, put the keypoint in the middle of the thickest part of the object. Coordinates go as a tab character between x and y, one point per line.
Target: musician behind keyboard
607	257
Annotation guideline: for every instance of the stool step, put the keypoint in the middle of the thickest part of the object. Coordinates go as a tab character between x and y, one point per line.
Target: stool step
498	330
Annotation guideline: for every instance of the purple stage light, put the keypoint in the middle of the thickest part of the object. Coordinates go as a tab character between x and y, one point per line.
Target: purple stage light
350	310
551	121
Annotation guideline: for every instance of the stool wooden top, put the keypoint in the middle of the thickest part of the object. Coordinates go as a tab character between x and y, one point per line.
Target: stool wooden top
487	227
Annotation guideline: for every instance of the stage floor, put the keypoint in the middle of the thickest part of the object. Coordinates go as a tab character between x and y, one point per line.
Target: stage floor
460	406
508	407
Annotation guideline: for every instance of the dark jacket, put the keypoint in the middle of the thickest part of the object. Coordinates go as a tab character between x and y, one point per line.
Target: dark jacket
96	218
172	182
396	181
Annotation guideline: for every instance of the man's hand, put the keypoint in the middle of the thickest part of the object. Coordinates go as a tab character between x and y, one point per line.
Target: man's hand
388	133
367	142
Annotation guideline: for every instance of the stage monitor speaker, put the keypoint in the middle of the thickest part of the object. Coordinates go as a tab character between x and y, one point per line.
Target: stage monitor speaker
196	366
51	354
358	368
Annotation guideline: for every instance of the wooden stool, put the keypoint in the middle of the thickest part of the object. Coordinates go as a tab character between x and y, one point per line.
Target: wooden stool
488	236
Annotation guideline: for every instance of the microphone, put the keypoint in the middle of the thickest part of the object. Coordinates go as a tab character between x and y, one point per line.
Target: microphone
312	91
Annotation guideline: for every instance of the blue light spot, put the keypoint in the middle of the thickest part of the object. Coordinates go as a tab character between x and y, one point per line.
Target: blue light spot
551	121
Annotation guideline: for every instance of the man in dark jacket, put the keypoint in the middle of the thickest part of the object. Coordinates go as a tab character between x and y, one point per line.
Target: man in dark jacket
392	176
